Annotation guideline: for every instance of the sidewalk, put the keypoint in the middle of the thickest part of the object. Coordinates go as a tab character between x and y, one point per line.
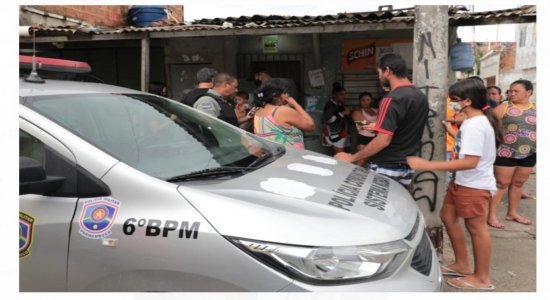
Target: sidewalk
513	260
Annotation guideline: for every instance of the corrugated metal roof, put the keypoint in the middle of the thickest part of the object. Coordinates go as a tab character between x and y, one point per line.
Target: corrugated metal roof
458	16
399	15
527	12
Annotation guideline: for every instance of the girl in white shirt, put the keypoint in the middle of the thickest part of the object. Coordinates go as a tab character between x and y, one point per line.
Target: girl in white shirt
472	186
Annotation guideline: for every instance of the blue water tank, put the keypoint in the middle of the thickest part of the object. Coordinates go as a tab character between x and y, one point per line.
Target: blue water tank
144	15
462	57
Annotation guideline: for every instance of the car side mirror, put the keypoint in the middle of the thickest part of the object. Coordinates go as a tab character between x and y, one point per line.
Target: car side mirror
33	178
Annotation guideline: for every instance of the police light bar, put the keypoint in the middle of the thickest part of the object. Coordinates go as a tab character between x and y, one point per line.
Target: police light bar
54	64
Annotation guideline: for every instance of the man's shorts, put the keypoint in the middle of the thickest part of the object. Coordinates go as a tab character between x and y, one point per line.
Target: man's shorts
529	161
468	202
398	172
341	143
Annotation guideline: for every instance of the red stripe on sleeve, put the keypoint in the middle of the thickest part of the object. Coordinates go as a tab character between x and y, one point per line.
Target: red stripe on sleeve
382	111
383	131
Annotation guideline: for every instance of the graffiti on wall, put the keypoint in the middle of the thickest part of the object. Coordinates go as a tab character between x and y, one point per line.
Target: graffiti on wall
426	40
425	183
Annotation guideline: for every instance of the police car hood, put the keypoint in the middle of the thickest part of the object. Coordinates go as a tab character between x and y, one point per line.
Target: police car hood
308	199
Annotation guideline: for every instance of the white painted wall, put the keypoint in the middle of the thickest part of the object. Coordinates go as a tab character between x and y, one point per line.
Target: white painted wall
490	66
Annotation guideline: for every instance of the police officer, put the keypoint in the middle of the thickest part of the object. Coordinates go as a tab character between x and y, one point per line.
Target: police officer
205	77
214	101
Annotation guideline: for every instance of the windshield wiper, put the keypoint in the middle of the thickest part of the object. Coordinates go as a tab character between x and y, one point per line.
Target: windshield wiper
213	172
279	151
261	159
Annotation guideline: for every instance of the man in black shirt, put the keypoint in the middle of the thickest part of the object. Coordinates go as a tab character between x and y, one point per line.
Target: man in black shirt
402	116
204	79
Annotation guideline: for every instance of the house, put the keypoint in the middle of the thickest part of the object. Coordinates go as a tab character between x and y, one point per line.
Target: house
503	63
525	58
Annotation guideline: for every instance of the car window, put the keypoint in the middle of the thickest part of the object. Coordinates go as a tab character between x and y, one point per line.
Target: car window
54	163
30	146
158	136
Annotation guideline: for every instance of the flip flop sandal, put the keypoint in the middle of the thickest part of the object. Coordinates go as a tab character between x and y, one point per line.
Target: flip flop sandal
446	271
528	196
496	225
468	286
520	220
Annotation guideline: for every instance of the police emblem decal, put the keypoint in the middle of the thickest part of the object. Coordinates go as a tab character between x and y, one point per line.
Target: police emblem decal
26	226
97	217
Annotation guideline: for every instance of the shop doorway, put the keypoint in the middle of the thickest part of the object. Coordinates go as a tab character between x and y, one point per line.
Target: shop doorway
283	69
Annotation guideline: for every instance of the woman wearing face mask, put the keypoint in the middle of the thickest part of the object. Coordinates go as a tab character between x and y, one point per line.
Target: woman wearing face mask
518	154
453	121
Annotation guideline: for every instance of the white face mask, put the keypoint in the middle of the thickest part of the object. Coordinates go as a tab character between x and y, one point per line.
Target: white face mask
455	107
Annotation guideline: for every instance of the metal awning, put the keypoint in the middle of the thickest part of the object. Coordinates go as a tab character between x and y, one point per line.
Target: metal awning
274	24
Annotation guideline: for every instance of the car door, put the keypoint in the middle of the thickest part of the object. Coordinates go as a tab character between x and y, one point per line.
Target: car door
44	221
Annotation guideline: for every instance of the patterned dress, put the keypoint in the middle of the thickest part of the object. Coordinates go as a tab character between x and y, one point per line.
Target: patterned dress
520	132
267	127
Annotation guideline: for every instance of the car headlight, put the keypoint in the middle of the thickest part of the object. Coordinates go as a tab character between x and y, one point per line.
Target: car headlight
326	265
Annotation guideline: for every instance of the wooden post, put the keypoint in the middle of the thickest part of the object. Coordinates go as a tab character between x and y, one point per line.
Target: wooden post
430	70
145	61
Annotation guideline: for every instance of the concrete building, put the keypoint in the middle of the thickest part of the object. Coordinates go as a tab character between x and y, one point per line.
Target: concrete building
503	63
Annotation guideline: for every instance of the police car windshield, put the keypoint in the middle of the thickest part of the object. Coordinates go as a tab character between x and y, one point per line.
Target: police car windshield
155	135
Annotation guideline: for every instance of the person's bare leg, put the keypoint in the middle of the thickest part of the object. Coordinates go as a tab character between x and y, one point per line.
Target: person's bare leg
457	238
525	194
481	244
514	195
503	176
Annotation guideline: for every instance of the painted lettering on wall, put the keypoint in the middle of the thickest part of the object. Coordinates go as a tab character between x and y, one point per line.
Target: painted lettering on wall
425	183
363	52
430	180
360	54
426	40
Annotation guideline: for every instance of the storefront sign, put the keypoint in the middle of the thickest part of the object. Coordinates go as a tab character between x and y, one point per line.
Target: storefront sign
362	54
270	43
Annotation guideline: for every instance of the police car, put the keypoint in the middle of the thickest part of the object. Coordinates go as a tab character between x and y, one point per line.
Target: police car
127	191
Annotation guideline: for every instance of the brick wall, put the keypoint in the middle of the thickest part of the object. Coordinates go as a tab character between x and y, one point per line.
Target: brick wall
507	53
508	58
177	11
105	15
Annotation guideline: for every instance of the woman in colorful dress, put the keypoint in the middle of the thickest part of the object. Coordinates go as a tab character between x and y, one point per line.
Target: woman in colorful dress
518	154
280	118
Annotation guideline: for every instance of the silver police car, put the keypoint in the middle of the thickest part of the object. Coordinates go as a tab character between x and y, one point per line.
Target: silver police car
126	191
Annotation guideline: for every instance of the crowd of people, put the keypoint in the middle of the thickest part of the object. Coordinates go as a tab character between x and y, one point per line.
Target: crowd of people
273	114
491	143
